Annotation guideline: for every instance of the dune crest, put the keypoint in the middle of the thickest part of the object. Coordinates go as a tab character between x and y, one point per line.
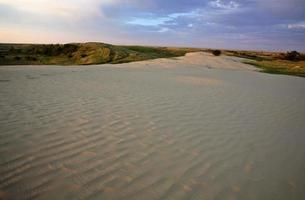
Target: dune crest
194	59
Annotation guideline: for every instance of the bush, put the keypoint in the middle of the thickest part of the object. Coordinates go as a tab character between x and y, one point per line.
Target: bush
31	58
17	58
293	56
216	52
52	50
57	49
12	50
69	48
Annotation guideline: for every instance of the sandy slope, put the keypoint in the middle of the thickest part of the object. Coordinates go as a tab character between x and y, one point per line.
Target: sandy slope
197	59
152	133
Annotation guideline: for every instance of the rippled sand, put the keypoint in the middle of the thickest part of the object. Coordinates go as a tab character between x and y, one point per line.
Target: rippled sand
199	81
196	127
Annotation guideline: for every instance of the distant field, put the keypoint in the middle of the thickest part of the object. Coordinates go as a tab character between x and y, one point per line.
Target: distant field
82	53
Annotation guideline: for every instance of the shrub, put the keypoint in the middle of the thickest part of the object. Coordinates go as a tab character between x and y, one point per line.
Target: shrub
17	58
57	49
216	52
293	56
31	58
12	50
52	50
69	48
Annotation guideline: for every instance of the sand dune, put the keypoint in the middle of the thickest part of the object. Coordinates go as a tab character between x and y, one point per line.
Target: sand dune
194	127
196	59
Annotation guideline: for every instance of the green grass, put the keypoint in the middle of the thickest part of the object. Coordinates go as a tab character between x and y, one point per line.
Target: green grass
272	62
82	54
280	67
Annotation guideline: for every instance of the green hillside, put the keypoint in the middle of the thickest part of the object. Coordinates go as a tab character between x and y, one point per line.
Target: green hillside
82	53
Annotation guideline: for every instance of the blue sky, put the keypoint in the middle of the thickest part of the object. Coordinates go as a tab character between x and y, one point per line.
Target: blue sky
231	24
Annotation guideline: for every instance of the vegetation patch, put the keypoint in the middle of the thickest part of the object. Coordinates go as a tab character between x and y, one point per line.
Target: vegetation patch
216	52
289	63
82	53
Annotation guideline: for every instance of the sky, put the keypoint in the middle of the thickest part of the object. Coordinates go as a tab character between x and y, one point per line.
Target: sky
277	25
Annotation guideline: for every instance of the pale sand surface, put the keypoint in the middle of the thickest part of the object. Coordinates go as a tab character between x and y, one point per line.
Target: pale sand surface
197	59
195	127
199	81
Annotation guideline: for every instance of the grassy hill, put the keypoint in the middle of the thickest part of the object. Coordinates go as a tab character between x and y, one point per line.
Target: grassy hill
82	53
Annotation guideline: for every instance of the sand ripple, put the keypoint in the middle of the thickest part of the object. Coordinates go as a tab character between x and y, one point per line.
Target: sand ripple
150	133
200	81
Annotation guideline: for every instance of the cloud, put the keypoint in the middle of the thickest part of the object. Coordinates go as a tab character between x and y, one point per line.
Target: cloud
149	22
296	26
58	8
250	24
224	4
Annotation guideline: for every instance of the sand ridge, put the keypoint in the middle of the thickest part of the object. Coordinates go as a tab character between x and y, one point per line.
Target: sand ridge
196	59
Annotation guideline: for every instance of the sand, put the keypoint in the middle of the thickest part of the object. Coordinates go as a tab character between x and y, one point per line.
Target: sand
197	59
194	127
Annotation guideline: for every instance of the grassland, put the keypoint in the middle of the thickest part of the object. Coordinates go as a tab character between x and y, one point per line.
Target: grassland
82	53
273	62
